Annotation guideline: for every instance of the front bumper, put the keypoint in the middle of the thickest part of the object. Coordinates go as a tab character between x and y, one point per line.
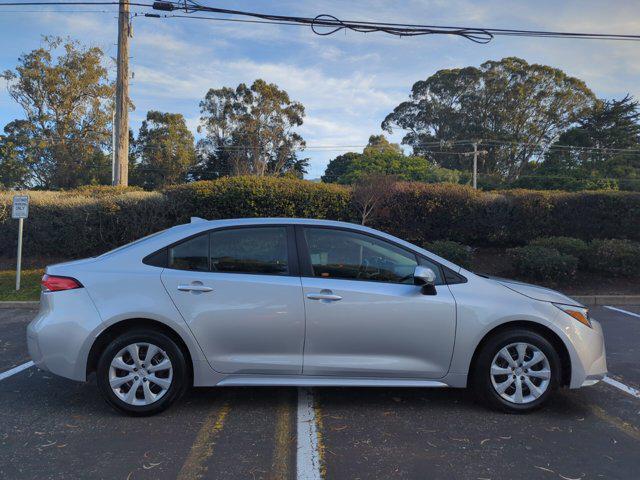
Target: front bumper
589	360
60	336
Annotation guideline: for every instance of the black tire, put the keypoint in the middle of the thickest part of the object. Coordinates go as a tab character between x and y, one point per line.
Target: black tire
481	377
179	382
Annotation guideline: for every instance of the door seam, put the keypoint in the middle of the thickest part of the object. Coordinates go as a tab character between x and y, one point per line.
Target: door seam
304	338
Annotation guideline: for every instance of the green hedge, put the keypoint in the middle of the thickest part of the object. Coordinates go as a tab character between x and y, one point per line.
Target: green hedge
72	225
540	263
422	213
237	197
81	223
616	257
564	183
453	251
93	220
566	245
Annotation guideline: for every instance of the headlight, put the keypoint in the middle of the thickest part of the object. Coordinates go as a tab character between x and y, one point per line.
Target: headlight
579	313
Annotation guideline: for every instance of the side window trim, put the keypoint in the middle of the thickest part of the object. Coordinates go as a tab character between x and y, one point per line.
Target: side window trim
292	249
304	257
306	269
421	261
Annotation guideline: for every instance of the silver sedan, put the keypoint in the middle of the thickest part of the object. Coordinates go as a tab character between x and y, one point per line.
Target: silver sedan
303	303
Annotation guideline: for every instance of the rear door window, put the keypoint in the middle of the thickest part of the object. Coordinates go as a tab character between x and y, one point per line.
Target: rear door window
259	250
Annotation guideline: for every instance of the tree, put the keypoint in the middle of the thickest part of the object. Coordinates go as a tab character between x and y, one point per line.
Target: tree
13	172
339	167
212	161
517	109
599	139
250	131
62	140
380	144
164	149
380	158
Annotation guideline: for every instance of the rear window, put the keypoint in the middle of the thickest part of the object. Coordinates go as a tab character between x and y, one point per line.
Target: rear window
192	254
261	250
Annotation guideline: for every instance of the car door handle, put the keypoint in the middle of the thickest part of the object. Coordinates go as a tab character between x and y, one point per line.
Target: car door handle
324	296
194	288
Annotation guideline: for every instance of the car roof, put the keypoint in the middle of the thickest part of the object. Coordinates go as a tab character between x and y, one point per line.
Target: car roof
273	220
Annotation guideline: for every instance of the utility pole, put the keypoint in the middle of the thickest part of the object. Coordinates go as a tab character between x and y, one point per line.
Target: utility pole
121	126
475	165
475	154
113	147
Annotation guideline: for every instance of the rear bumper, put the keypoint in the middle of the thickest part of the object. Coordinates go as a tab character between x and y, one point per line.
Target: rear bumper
59	338
34	349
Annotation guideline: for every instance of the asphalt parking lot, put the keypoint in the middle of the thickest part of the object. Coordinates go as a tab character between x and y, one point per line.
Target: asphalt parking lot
52	428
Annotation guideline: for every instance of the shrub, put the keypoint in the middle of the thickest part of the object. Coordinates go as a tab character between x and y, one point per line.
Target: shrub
236	197
67	224
103	190
422	213
618	257
75	223
572	184
453	251
567	245
540	263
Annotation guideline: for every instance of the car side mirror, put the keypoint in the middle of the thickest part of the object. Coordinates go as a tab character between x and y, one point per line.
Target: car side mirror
426	278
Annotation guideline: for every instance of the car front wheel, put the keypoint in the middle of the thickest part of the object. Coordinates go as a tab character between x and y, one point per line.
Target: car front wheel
516	371
142	372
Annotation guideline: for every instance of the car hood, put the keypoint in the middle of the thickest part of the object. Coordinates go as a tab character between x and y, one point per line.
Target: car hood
537	293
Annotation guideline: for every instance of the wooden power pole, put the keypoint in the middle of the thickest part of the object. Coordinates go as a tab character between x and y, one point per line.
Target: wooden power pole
475	154
121	126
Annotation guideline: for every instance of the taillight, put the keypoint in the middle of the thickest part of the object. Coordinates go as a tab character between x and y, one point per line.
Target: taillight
53	283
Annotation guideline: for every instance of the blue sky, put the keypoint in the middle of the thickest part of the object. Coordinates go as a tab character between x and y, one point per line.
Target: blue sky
348	82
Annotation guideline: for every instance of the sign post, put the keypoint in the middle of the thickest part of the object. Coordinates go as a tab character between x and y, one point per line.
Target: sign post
20	211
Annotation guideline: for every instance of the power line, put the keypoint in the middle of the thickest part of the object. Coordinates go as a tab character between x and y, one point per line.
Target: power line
326	24
333	24
507	143
37	12
330	147
23	4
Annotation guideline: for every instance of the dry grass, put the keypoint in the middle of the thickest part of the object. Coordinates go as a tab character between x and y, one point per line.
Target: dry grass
29	288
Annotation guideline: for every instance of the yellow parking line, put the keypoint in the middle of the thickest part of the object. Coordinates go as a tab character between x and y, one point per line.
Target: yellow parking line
281	460
202	448
320	430
625	427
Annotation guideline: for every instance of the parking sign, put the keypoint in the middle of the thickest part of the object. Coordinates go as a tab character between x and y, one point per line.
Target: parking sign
20	206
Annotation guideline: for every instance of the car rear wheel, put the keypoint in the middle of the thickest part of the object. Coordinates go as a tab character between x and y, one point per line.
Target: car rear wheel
516	371
142	372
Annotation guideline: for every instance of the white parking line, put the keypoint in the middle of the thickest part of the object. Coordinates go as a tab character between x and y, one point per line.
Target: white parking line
622	386
308	456
633	314
15	370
